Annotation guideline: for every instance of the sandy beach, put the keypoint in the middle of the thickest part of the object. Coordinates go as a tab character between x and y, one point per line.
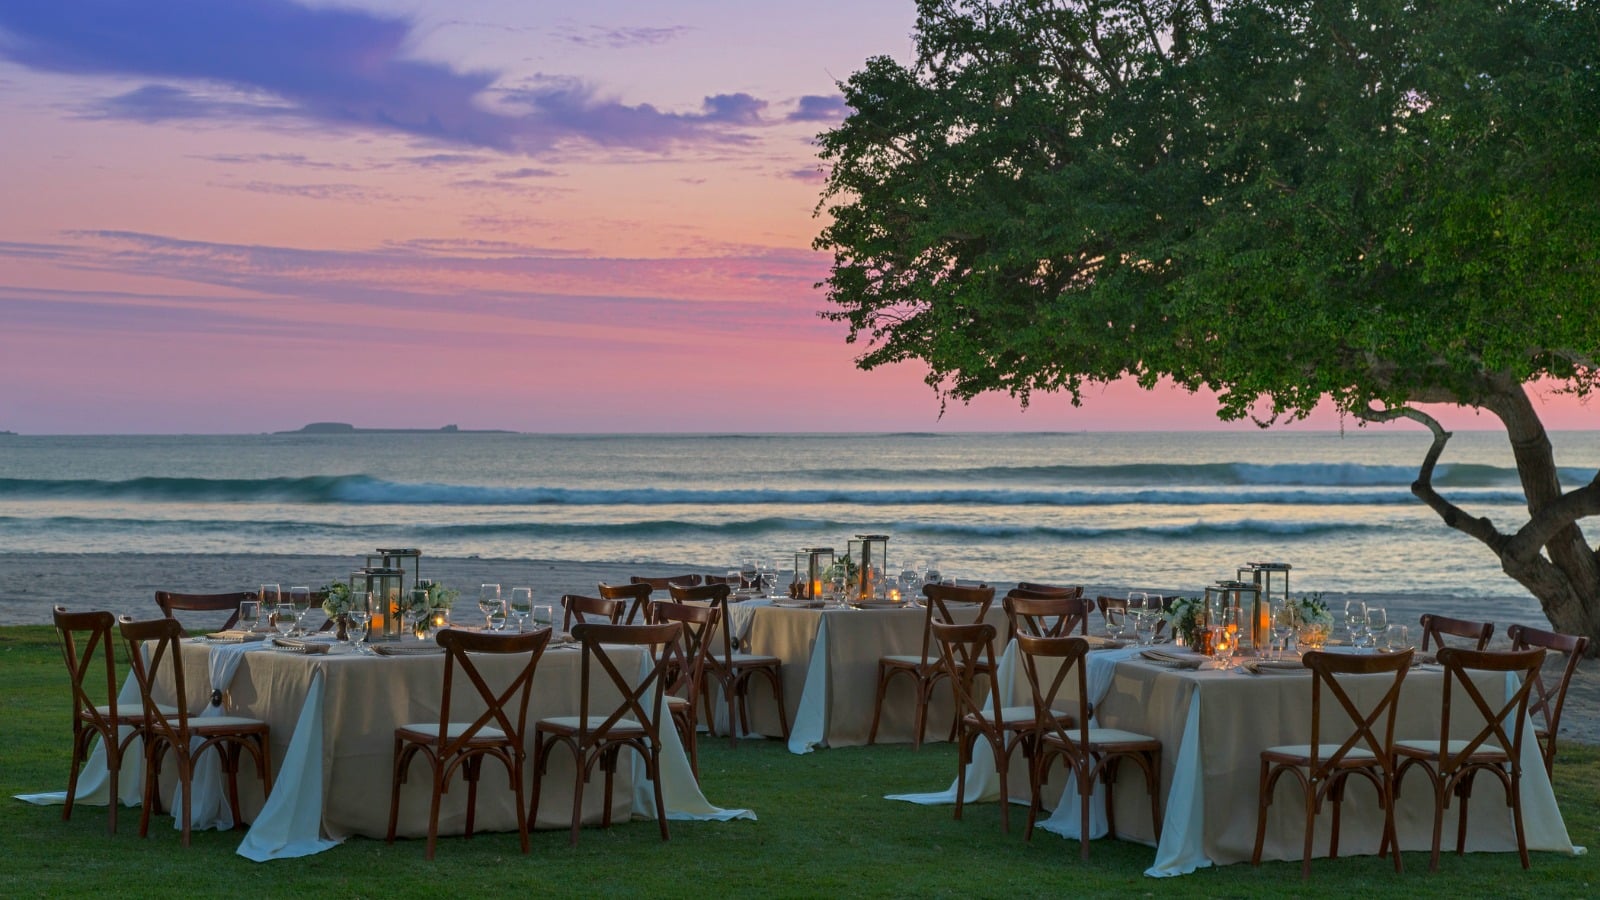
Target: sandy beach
126	584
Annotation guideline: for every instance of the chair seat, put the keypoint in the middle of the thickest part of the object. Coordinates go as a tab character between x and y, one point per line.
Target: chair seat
429	731
570	725
1428	748
908	662
748	661
1301	754
211	724
134	710
676	703
1108	737
1020	718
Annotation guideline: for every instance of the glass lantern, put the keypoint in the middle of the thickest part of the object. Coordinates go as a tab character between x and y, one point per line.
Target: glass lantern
1243	595
386	587
869	552
1272	584
813	566
396	558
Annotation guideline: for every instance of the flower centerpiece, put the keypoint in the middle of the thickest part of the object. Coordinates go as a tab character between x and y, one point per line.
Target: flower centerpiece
1186	616
336	603
429	605
1312	621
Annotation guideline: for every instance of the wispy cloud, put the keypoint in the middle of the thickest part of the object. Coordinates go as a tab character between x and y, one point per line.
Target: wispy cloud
620	38
815	108
352	192
336	67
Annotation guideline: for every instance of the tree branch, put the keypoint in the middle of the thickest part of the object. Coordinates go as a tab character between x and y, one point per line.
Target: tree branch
1452	515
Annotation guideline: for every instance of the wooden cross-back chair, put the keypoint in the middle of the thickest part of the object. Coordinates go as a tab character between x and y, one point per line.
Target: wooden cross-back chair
685	676
450	746
597	738
1436	627
731	669
1322	767
1046	616
580	609
172	602
1545	701
636	595
925	669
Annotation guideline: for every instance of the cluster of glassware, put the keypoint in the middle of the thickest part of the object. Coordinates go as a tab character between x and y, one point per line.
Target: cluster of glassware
289	612
760	576
1368	628
1137	621
512	613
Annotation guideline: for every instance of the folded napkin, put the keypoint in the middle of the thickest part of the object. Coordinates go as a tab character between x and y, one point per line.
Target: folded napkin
881	604
1097	642
407	649
1173	660
798	604
295	645
234	636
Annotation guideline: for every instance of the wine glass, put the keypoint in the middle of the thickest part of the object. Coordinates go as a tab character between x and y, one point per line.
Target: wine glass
1355	620
1282	627
249	614
488	601
839	583
769	581
300	599
359	614
735	580
521	606
749	574
1221	645
1377	623
910	585
1232	619
271	595
932	575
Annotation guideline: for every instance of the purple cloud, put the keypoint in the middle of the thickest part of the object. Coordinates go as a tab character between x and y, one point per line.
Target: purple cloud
814	108
260	59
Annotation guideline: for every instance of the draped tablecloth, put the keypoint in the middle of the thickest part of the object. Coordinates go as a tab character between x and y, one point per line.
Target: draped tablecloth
333	718
1213	725
830	672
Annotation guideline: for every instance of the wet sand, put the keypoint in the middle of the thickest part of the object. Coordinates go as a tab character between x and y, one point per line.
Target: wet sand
30	584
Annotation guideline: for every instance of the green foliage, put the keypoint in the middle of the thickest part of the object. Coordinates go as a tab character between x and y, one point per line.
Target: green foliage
1383	202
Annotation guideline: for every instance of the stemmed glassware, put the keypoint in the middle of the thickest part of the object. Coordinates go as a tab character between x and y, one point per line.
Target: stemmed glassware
1232	619
749	575
910	585
271	595
735	580
769	580
285	620
839	583
300	599
359	614
521	606
489	602
1282	627
249	615
1355	620
1377	624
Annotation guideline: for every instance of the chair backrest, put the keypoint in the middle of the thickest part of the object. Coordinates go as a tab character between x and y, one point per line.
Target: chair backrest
1046	616
1118	606
699	623
640	701
636	595
1545	702
171	600
1435	627
497	704
581	609
1037	590
1326	670
943	600
662	582
1045	686
714	595
1459	664
967	651
152	644
85	636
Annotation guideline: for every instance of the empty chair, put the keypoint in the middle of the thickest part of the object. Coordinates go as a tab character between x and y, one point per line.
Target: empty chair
733	671
171	601
597	738
1046	616
176	731
685	678
580	609
1034	589
636	595
87	648
1090	752
925	669
1322	767
1452	764
662	582
1545	702
450	745
966	652
1434	629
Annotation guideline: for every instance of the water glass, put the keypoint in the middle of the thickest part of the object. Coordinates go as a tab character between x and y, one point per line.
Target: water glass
250	614
270	596
543	615
735	580
488	601
357	618
1355	620
1221	645
1282	628
286	620
1377	623
1396	638
521	606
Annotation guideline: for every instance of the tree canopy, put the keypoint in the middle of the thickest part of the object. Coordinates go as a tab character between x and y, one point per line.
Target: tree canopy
1380	202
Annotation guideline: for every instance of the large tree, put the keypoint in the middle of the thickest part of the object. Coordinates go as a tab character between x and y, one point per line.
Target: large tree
1388	204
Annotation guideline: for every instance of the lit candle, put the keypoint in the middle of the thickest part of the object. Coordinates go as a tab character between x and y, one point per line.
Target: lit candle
816	589
894	595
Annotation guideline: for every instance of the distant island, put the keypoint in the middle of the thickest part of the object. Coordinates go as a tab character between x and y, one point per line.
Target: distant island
347	428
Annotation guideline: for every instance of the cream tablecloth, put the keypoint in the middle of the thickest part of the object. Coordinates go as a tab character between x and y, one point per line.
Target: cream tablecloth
333	719
1213	726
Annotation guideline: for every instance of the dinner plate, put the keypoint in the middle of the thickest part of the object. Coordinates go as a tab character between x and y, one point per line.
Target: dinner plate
1172	660
290	645
786	603
407	649
1275	667
234	637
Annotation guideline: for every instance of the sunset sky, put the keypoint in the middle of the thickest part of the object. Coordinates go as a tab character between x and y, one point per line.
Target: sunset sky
245	215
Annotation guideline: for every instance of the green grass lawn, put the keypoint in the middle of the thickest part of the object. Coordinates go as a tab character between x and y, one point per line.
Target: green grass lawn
824	829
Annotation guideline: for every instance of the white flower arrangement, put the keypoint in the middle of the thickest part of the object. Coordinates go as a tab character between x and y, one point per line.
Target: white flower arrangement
429	596
1308	609
337	601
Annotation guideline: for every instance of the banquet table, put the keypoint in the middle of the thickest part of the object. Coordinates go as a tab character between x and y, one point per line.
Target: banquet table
333	717
1213	725
830	671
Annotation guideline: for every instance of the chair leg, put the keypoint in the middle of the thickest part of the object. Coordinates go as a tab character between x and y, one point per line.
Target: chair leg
1002	758
1263	803
400	765
433	806
1309	791
1516	817
470	771
577	796
653	761
877	704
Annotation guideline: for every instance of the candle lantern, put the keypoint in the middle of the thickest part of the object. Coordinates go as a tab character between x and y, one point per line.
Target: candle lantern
1242	595
813	566
869	552
399	558
1272	584
385	586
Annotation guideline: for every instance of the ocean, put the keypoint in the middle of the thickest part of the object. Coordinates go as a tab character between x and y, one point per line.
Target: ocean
1162	511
